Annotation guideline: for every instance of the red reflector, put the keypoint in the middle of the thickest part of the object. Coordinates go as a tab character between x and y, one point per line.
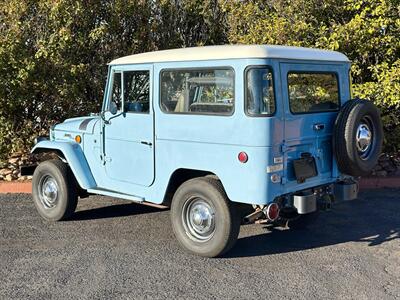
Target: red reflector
273	211
242	156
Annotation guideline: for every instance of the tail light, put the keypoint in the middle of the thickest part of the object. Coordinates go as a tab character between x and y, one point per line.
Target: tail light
242	157
272	211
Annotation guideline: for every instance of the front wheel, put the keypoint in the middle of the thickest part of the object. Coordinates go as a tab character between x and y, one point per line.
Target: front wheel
54	190
203	219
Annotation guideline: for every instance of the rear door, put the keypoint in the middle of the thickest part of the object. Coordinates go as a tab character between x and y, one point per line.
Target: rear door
312	96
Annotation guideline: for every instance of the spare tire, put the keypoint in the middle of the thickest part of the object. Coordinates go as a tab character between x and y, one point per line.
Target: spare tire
357	137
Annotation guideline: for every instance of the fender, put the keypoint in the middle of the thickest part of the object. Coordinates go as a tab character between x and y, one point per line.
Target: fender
73	154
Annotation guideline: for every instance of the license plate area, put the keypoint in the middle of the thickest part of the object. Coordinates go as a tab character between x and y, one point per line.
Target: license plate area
304	168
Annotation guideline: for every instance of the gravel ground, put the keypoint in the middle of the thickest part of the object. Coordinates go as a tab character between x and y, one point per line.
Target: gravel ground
116	249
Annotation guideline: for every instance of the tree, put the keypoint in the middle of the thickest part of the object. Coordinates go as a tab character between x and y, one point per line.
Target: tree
53	54
368	32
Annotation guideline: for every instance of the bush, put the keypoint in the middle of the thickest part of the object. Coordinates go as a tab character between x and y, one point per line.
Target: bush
368	32
53	54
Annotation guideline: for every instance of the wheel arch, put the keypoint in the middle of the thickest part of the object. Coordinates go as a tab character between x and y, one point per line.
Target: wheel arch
180	176
74	157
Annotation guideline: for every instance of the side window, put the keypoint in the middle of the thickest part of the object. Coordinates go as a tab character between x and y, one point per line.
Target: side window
116	92
137	91
198	91
313	92
260	100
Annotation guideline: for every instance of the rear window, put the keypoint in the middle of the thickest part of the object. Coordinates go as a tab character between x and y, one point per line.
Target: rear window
198	91
313	92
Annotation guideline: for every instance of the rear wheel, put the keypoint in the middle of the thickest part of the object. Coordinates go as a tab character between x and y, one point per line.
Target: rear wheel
54	190
203	219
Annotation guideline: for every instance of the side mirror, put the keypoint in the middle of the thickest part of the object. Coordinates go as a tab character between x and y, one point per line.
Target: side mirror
113	108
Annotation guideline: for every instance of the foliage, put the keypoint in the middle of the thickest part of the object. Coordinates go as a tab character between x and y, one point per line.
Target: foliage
367	31
53	53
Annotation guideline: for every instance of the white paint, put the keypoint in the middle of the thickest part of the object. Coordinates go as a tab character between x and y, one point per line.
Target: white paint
232	52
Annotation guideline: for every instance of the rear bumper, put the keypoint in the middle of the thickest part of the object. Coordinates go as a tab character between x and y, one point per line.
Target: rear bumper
308	201
345	190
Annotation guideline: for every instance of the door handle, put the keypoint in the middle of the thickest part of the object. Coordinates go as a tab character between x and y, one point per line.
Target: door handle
318	126
146	143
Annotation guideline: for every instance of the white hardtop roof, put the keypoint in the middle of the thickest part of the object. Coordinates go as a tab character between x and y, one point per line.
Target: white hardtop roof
232	51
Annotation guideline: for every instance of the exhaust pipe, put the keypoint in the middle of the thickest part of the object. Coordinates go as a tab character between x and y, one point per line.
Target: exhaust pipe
257	214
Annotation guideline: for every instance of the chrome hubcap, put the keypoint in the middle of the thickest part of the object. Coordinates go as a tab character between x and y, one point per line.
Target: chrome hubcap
363	139
48	192
199	219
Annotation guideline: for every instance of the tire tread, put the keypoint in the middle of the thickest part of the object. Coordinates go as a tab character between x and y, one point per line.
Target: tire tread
343	140
226	238
69	182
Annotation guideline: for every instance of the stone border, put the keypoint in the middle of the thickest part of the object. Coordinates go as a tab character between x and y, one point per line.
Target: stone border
14	187
365	183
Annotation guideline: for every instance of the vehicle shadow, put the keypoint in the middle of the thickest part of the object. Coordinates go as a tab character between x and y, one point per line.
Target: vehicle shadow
374	220
113	211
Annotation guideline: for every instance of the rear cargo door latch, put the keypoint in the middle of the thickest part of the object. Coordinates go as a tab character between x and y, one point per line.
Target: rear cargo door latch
319	126
284	148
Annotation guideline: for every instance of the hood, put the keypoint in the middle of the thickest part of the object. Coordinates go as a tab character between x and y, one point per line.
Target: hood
79	125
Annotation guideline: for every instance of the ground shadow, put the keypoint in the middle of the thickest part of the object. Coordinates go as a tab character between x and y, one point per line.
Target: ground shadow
373	219
113	211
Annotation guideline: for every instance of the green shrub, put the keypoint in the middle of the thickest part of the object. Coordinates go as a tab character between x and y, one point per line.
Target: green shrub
53	54
368	32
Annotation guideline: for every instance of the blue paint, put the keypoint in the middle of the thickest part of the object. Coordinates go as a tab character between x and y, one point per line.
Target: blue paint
135	155
75	157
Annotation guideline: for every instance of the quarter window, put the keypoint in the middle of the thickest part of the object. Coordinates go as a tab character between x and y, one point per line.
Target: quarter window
209	91
313	92
116	93
259	92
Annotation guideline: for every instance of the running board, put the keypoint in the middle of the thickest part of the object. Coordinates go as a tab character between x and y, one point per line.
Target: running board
136	199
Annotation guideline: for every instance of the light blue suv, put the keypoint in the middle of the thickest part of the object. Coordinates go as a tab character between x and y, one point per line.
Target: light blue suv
221	135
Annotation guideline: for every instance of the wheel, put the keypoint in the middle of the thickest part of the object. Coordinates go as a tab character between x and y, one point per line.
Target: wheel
54	190
358	137
203	219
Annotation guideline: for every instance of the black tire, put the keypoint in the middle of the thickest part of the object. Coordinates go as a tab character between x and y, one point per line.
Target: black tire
357	117
57	176
208	192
